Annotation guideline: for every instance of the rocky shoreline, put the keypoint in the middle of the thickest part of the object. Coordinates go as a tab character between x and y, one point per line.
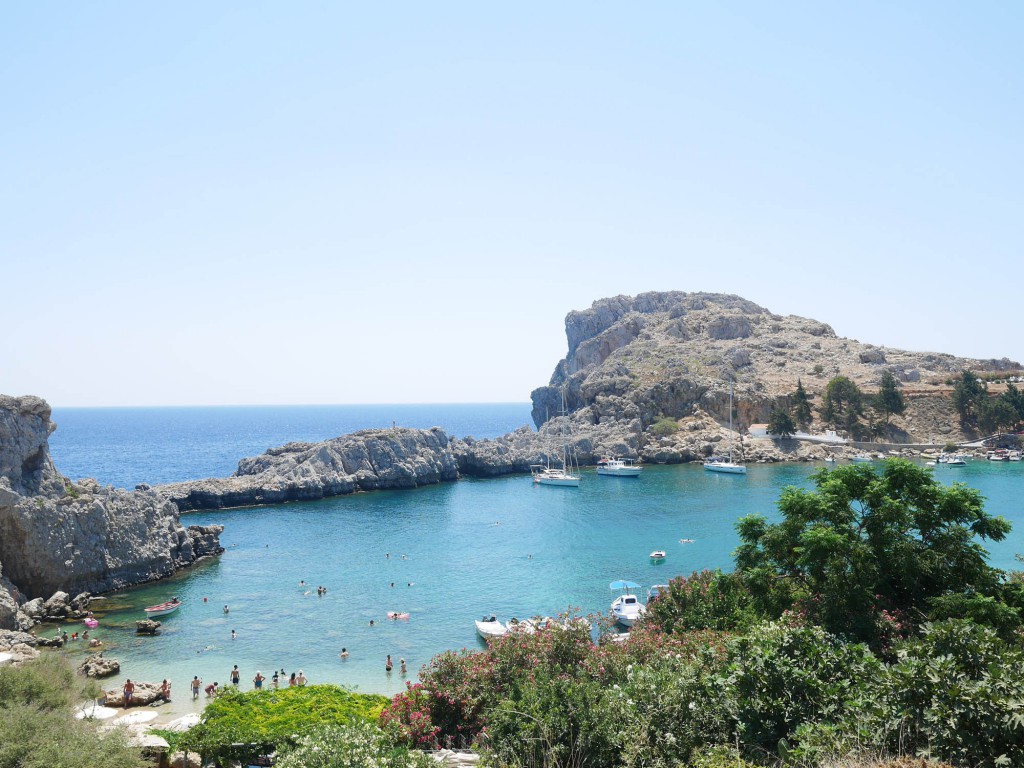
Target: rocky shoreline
59	537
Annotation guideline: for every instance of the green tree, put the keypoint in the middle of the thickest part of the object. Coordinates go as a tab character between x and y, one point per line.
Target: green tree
802	406
889	400
995	415
1015	399
967	394
843	403
781	423
864	551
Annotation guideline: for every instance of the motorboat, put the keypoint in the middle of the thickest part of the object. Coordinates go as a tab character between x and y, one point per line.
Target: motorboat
627	608
723	464
613	466
163	608
862	458
488	627
657	555
1000	454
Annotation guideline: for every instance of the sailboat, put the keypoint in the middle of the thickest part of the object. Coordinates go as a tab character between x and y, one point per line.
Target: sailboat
545	474
717	463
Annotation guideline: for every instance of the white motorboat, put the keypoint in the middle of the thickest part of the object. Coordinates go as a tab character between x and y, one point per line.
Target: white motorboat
723	464
658	555
568	474
163	608
488	627
861	458
616	467
520	626
626	608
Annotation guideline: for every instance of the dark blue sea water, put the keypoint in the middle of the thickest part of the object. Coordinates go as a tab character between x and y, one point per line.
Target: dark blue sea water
457	551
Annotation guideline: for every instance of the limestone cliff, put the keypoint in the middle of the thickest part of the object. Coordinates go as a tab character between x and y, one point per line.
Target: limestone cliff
675	354
76	537
362	461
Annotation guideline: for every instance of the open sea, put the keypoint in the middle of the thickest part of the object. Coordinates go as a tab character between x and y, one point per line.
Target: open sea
446	554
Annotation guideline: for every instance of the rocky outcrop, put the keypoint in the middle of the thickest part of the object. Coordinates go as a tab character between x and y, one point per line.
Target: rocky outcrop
59	538
99	666
675	354
363	461
143	695
147	627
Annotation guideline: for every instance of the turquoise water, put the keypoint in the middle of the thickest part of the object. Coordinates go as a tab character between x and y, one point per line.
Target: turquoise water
469	548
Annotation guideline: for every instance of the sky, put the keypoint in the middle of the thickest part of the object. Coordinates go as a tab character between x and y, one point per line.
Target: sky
314	202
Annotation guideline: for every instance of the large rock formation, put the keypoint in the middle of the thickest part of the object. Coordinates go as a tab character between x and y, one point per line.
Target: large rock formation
77	537
363	461
675	355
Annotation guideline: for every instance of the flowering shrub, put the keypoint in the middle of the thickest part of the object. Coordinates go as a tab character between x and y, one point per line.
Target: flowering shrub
408	718
704	600
351	745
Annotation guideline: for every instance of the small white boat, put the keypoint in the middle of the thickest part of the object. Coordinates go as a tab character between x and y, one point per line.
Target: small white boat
658	554
626	608
1014	455
719	464
862	458
163	608
722	464
553	476
613	466
489	627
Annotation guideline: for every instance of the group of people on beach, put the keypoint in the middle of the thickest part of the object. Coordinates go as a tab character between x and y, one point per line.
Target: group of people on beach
235	677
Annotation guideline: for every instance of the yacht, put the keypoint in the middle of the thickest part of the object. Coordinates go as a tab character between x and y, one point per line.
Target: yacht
616	467
721	463
627	608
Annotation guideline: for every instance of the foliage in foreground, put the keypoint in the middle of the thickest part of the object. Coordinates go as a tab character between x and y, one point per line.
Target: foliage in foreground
37	724
272	719
358	744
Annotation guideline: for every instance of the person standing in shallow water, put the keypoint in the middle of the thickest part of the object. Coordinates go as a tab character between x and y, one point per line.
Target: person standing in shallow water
196	685
387	664
235	675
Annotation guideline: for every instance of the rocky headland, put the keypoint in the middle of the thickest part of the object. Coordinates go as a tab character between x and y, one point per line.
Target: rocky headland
60	538
633	362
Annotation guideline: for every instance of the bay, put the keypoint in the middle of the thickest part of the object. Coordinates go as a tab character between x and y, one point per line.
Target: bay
453	553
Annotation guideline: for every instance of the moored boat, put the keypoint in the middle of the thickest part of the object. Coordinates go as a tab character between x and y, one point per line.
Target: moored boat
726	465
658	554
489	627
626	608
163	608
613	466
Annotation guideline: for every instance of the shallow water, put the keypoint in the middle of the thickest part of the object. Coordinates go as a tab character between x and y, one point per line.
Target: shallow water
473	547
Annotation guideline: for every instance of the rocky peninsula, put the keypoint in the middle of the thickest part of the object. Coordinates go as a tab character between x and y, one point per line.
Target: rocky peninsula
632	362
60	538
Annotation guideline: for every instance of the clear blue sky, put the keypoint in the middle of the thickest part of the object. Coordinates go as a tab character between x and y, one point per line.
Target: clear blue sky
315	202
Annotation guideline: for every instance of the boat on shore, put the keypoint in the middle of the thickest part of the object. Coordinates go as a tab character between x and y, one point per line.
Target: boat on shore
163	608
627	608
613	466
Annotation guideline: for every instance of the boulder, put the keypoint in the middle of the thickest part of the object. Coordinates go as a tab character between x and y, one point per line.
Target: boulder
98	666
147	627
57	606
144	695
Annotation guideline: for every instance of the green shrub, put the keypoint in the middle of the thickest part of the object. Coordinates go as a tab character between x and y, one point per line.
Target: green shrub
705	600
272	719
358	744
37	724
664	427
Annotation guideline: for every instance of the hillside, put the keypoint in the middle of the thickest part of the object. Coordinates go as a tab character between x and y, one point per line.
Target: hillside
674	354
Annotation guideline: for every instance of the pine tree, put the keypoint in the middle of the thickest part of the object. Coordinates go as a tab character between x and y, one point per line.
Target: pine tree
802	406
889	401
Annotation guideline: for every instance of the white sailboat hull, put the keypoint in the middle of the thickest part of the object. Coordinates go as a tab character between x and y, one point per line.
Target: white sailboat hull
726	467
569	481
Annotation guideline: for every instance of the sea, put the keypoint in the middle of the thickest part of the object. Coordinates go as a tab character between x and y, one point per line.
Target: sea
445	554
